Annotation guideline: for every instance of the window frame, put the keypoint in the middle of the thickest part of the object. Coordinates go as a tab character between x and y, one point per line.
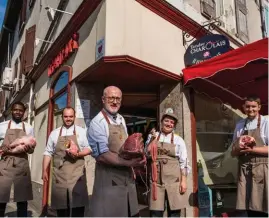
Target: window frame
53	96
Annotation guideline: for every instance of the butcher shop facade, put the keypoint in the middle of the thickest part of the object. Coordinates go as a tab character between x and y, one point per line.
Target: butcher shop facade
96	49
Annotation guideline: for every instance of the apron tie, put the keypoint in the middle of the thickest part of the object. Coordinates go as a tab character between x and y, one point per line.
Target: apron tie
9	159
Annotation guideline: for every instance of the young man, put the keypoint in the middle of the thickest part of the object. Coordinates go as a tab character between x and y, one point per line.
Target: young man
69	194
252	190
14	167
114	191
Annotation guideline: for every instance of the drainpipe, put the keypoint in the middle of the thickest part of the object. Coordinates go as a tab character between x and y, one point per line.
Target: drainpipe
29	116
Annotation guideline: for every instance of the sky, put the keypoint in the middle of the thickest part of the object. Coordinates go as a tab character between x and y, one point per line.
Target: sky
3	4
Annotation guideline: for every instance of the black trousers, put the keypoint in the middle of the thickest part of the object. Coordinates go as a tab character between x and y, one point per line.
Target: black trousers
252	213
170	213
75	212
21	209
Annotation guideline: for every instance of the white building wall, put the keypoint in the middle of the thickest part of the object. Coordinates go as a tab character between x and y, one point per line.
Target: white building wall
132	29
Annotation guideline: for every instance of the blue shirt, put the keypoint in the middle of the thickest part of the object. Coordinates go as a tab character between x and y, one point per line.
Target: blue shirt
98	132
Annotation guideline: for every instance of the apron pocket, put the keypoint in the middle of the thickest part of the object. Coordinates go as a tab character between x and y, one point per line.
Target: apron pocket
257	173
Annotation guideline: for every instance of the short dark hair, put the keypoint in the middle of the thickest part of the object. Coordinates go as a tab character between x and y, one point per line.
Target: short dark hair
18	103
69	108
253	98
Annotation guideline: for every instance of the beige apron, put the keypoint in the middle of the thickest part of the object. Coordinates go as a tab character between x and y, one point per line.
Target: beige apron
114	187
68	177
169	177
252	187
14	169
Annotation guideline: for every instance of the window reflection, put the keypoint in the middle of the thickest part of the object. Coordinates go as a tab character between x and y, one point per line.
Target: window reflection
61	82
60	102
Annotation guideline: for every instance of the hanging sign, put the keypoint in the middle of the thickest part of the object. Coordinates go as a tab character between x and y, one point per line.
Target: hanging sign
64	54
205	48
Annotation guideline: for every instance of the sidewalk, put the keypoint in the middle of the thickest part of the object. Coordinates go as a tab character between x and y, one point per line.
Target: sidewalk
11	210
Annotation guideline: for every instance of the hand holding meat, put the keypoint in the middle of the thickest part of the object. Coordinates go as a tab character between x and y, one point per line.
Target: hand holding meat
246	141
72	149
20	145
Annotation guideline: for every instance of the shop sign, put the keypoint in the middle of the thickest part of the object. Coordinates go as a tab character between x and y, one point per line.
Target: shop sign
100	49
205	48
64	54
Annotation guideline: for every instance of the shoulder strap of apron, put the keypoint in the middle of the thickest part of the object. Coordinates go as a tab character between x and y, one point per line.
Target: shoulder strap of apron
9	124
158	138
74	131
105	116
23	126
172	137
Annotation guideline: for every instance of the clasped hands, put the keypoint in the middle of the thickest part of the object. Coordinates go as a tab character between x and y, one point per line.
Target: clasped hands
72	149
246	144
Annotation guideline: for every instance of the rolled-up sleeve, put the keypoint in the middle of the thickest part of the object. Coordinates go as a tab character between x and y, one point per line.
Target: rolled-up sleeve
50	148
97	138
147	144
32	133
181	152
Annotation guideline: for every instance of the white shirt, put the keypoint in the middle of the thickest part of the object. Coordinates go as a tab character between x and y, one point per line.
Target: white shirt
54	135
98	132
4	125
252	124
180	148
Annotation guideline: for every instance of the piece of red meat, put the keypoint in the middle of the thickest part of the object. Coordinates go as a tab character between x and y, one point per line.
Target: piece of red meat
246	141
133	147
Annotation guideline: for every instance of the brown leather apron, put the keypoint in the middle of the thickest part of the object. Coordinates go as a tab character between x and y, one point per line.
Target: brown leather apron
114	188
252	187
68	177
14	170
169	177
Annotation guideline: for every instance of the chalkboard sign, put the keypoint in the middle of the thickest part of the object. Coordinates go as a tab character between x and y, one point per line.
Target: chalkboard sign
205	48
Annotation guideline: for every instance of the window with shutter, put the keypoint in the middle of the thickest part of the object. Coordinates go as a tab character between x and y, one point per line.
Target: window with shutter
241	20
29	49
22	66
23	15
208	8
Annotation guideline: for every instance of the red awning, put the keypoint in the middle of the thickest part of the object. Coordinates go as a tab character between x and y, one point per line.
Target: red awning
232	76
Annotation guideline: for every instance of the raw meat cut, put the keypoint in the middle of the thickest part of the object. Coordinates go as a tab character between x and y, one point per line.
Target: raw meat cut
133	147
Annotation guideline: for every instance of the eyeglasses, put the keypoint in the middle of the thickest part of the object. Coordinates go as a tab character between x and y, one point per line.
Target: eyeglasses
112	99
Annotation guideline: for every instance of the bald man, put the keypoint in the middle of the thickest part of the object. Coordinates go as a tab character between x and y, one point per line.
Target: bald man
114	190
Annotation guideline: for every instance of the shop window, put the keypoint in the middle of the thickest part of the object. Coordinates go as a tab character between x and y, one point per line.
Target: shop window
59	95
215	124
